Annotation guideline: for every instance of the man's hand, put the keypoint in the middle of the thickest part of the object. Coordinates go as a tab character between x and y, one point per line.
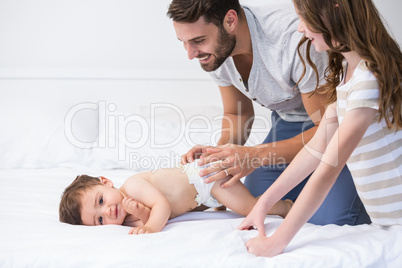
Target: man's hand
193	153
234	160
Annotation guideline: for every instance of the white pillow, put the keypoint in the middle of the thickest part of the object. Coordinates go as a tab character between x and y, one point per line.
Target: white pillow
50	133
33	134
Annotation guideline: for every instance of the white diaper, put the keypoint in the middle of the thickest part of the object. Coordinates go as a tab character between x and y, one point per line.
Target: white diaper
204	189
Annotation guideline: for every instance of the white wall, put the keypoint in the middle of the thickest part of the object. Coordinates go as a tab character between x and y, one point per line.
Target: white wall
128	39
76	46
88	39
391	12
55	54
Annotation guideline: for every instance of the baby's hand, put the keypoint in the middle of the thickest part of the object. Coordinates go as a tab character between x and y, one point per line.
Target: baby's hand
136	209
140	230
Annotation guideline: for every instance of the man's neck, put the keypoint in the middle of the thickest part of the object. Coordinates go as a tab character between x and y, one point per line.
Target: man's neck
243	38
243	53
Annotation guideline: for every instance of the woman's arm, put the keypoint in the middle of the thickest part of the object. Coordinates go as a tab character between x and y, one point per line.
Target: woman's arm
339	149
305	162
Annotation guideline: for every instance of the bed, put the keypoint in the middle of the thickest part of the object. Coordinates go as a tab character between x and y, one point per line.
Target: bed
32	236
47	142
95	106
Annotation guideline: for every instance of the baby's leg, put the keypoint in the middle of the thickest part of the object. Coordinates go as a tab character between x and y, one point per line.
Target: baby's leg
239	199
200	208
221	208
281	208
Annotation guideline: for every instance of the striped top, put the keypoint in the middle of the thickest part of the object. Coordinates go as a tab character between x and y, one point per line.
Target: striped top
376	163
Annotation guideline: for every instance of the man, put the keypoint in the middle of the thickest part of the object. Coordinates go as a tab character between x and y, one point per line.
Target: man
251	53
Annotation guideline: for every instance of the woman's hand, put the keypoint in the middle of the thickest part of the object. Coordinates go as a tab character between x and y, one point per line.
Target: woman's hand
255	220
264	246
259	245
234	160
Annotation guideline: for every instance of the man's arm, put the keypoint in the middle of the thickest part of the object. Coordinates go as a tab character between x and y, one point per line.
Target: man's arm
288	149
238	115
240	161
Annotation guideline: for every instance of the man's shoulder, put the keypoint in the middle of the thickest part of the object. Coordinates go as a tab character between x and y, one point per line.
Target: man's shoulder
263	10
275	24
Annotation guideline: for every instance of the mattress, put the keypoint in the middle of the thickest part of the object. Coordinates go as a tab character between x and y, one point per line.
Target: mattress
32	236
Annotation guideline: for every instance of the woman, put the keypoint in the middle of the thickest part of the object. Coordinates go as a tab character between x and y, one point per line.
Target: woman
363	122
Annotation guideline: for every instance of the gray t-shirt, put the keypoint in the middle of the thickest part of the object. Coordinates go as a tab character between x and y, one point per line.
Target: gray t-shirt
276	65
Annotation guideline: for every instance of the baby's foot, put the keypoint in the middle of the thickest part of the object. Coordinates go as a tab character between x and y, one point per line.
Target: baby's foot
287	206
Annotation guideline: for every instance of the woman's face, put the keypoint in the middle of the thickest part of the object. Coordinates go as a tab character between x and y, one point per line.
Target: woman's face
317	39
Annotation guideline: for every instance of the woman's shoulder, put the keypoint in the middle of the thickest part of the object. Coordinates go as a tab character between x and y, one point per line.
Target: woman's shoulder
363	73
362	80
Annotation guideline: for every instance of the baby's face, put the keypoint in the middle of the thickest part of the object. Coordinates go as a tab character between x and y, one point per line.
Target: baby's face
102	204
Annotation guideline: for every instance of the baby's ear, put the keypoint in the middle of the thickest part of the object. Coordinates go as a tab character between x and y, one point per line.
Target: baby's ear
106	181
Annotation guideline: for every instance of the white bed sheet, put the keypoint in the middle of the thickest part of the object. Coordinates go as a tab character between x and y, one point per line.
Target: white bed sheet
32	236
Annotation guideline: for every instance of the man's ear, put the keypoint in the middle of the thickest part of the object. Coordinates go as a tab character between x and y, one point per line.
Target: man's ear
106	181
230	21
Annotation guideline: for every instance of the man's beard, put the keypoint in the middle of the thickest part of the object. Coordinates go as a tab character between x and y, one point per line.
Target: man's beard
226	44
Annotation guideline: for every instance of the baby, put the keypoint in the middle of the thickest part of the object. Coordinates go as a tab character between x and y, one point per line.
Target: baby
146	201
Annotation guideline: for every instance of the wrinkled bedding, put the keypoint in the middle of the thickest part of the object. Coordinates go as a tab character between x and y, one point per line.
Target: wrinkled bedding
32	236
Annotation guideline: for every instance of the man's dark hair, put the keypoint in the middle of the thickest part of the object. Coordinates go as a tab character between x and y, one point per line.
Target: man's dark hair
214	11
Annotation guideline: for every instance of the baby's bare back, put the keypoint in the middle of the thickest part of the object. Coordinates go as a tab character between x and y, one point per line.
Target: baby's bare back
174	184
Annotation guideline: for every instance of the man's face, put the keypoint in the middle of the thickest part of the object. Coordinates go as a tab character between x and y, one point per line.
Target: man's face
206	42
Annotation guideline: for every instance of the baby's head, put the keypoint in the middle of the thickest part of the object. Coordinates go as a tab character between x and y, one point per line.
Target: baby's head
92	201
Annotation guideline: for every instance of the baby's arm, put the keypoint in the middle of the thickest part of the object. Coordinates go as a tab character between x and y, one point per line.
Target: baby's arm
132	221
138	213
146	193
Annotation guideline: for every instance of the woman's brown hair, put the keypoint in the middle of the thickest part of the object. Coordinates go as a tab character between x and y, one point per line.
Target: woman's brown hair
356	25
